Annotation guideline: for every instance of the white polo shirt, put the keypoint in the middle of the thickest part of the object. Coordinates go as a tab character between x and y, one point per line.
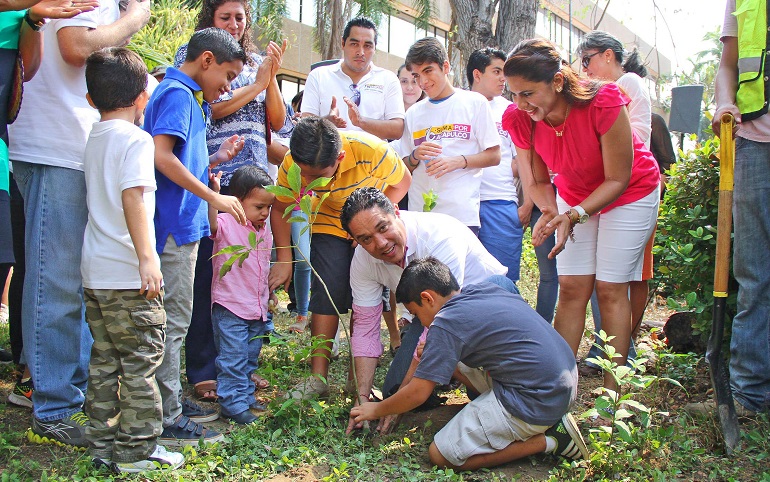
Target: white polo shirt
461	124
427	234
497	182
381	97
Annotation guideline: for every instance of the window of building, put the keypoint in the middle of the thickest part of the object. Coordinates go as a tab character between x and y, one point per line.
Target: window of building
302	11
289	86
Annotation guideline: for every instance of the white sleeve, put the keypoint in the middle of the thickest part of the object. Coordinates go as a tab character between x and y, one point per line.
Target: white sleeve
486	128
311	98
394	98
405	145
138	166
366	290
730	23
640	108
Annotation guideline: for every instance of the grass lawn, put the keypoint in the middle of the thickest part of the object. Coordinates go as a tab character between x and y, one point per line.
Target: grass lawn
304	442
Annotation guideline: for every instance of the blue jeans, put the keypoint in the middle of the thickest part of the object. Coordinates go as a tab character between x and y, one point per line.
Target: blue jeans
548	287
302	272
595	352
57	341
501	234
403	358
238	342
750	345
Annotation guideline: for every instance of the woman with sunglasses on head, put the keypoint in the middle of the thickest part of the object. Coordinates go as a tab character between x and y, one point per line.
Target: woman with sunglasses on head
604	58
252	108
607	184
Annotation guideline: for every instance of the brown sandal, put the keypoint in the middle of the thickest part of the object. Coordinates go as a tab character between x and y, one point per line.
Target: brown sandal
204	390
259	382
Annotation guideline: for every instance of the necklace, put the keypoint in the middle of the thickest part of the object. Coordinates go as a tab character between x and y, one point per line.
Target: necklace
561	132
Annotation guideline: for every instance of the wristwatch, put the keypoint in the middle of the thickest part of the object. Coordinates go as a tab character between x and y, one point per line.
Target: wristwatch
582	214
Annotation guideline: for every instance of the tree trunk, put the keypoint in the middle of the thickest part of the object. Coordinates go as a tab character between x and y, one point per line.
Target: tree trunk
474	20
330	22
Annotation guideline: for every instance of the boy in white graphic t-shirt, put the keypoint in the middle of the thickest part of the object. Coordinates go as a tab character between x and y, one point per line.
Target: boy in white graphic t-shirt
448	138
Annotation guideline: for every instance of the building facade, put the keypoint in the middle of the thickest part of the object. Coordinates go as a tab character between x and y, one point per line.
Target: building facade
562	21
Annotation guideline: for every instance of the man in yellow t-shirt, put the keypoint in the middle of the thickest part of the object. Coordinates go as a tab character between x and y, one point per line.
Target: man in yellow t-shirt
352	160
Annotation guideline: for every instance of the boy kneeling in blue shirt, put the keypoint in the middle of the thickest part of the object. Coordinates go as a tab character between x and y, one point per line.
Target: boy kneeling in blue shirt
527	383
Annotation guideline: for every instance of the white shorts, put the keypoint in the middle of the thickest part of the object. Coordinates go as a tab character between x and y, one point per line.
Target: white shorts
610	245
484	426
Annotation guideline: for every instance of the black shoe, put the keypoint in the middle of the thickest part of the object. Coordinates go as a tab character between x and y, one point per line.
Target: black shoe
5	356
432	402
101	463
196	413
69	431
243	418
187	432
569	442
21	394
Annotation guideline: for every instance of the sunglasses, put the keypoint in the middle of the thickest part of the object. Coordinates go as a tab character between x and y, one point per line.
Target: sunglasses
356	97
587	59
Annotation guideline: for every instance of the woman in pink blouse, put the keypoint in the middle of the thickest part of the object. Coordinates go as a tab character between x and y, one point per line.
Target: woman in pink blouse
607	182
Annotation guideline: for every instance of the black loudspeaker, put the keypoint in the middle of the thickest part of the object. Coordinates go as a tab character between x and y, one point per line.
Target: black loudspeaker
686	109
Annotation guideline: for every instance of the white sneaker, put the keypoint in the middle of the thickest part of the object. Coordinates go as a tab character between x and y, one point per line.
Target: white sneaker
311	387
160	459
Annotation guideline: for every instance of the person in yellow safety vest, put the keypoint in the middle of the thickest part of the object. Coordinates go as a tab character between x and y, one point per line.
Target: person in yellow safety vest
741	89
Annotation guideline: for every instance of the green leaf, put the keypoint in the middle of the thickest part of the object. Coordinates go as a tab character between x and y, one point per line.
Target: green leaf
296	219
227	266
295	179
624	431
253	239
691	298
289	209
318	182
280	191
235	248
305	204
243	257
636	405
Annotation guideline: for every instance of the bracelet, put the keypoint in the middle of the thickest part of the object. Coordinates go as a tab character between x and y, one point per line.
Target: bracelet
572	220
411	156
466	161
36	26
571	232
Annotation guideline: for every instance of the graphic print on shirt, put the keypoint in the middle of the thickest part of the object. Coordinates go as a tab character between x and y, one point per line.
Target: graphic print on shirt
502	132
446	131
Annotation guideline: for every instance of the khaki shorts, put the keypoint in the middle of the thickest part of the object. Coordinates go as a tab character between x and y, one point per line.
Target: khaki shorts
484	426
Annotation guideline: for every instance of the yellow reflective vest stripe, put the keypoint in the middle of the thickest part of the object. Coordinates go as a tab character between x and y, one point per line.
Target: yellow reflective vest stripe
753	36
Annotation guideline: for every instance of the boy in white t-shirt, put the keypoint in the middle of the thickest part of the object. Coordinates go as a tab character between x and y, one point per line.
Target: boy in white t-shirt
448	138
501	225
122	282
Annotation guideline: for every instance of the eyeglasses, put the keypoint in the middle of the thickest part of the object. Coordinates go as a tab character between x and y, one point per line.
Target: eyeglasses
587	59
356	97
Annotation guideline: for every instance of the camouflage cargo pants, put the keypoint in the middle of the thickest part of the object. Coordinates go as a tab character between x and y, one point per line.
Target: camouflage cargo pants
123	399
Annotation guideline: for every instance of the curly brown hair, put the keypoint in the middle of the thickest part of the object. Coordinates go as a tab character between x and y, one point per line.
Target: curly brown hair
206	20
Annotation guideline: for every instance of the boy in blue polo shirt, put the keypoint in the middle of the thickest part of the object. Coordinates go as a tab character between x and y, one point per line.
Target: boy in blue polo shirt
176	118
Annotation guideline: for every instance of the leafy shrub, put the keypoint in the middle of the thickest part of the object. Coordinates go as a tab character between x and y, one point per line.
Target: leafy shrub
171	24
685	243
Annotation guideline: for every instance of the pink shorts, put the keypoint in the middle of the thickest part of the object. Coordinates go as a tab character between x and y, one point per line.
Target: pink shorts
365	326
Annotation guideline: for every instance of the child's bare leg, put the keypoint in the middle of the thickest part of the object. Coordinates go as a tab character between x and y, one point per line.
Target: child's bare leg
515	451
